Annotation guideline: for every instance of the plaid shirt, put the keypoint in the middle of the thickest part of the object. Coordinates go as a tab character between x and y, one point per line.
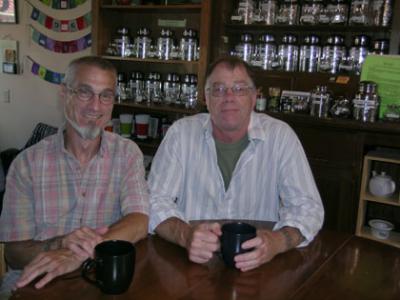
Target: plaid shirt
48	194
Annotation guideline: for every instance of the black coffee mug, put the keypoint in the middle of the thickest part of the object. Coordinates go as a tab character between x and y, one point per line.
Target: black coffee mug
233	235
114	266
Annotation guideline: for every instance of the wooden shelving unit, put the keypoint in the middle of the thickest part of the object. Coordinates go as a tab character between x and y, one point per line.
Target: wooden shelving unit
387	161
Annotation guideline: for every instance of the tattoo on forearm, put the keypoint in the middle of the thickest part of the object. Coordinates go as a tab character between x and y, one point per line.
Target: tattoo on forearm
292	237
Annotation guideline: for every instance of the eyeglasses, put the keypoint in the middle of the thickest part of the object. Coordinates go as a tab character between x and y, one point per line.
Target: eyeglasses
220	90
86	94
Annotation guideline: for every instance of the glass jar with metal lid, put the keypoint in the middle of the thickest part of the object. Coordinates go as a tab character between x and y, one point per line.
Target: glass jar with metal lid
360	12
189	91
165	44
381	14
136	86
188	45
245	48
268	8
288	13
288	53
310	53
380	47
171	88
142	43
332	54
320	102
310	12
121	87
266	50
338	11
122	42
358	52
152	88
366	102
245	11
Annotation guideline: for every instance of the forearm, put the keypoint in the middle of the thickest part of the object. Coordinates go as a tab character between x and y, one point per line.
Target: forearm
19	254
290	237
175	230
132	227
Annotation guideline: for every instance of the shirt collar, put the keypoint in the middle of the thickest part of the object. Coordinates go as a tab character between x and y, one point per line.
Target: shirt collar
255	130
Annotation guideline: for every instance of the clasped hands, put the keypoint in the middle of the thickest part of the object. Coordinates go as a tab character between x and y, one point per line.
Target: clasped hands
204	241
71	250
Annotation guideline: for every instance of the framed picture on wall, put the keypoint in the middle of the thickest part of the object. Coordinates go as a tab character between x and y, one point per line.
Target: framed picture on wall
8	11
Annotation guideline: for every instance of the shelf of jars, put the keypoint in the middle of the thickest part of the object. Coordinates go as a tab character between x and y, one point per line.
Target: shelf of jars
161	107
151	60
307	28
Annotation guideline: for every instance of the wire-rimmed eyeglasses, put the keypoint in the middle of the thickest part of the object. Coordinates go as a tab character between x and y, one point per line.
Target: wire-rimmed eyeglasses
220	90
86	94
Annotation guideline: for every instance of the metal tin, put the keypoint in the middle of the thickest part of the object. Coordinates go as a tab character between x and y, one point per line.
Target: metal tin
189	91
359	12
380	46
366	102
136	86
288	53
269	9
310	53
142	43
310	12
288	13
171	88
337	11
332	54
381	14
188	45
358	52
320	102
266	50
165	44
245	48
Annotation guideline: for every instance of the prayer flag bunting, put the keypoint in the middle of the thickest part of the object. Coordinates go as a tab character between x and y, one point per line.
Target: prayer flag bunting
63	4
61	46
72	25
44	73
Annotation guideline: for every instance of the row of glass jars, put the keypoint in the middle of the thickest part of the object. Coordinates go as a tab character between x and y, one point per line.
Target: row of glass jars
313	12
319	103
310	56
151	88
164	47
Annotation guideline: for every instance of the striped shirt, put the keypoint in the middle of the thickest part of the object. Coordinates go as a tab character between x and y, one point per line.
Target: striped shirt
48	194
272	180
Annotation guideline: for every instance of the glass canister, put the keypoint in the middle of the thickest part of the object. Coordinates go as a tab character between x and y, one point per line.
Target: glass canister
165	44
136	86
266	50
171	88
358	52
268	9
122	42
332	54
338	11
320	102
189	91
360	12
380	47
366	102
310	53
245	11
288	13
245	48
381	14
152	88
188	45
310	12
121	87
288	53
341	108
142	43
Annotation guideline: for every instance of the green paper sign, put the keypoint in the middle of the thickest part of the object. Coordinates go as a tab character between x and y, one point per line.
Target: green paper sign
385	71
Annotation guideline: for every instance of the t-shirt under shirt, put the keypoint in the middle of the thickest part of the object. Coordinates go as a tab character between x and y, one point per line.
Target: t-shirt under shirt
228	155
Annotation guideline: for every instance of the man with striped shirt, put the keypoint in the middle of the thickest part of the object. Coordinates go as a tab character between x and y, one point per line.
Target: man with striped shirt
76	188
233	163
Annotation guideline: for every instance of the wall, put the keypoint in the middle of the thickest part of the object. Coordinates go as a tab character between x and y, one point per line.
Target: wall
33	99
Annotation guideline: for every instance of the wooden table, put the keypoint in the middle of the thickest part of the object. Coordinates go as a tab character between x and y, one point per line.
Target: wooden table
333	266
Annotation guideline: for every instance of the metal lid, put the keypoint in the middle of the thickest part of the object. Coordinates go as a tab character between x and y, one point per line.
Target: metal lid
311	39
173	77
121	77
246	37
361	40
289	39
335	40
266	38
166	33
123	30
137	75
190	78
189	33
143	31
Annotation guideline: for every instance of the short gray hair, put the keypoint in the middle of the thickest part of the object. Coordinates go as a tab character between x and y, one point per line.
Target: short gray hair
95	61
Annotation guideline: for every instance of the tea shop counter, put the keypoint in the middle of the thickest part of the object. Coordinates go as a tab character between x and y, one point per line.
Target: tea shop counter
335	149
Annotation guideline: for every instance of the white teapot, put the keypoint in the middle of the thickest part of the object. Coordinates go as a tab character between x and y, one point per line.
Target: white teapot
381	184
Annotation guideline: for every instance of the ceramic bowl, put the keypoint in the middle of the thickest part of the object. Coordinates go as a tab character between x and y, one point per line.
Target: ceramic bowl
380	228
